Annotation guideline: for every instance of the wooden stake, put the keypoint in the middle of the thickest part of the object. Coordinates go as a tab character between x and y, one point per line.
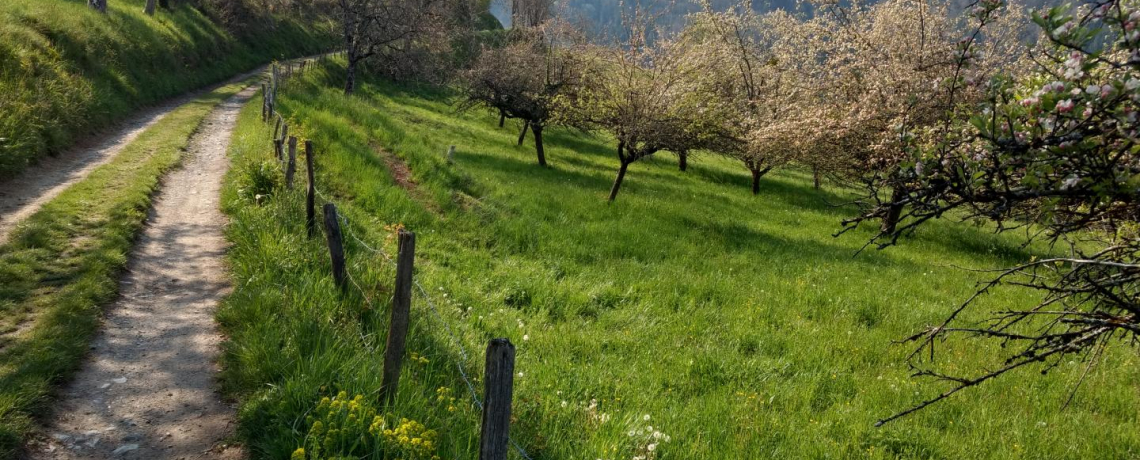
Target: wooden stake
310	198
498	389
291	167
336	246
401	310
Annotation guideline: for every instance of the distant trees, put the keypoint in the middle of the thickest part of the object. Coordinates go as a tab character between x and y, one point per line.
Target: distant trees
886	67
524	78
400	36
650	97
753	61
530	13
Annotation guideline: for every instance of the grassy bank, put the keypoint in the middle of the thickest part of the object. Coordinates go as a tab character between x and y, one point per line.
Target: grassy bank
66	70
63	264
735	325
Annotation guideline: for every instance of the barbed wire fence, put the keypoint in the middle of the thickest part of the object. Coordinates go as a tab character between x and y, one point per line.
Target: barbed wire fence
347	229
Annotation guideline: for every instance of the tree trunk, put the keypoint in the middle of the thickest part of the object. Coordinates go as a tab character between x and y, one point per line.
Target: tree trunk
683	160
815	176
522	134
164	4
757	173
502	118
350	79
537	130
617	182
149	10
98	5
894	211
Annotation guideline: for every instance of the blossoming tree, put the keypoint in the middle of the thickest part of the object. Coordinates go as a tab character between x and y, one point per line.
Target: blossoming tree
650	96
756	65
884	76
525	77
1054	154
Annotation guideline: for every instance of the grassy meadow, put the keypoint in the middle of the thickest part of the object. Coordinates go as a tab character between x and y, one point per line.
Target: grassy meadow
67	70
735	325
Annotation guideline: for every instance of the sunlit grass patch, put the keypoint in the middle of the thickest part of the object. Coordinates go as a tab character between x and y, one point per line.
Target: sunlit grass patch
738	324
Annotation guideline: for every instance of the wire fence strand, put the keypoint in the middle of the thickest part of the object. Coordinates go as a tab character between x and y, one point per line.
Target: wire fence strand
465	357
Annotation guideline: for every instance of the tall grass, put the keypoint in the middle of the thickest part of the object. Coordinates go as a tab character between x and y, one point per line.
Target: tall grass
66	70
736	325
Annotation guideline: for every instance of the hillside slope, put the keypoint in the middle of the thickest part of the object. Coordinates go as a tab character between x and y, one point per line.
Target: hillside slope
736	326
66	70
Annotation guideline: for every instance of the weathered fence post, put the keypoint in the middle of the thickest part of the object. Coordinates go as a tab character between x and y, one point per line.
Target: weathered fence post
498	389
310	198
291	167
451	155
273	92
336	246
276	127
277	147
401	309
264	104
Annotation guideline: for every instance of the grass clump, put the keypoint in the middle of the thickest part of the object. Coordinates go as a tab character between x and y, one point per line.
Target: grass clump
66	70
689	315
63	263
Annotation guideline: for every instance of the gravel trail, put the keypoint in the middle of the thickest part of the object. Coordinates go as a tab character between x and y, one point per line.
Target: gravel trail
148	390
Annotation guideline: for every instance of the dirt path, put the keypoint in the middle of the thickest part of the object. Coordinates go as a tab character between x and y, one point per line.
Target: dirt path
148	389
24	194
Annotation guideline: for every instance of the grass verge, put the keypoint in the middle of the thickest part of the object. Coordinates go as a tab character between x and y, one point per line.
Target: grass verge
63	264
66	70
735	325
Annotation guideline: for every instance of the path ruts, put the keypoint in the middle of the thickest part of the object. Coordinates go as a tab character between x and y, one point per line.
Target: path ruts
148	390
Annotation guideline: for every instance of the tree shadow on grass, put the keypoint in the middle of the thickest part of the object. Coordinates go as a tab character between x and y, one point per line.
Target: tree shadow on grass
529	169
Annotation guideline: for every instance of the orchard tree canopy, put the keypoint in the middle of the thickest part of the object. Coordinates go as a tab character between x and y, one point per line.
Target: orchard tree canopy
1054	154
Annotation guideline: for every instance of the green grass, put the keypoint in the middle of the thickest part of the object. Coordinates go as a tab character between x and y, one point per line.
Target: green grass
63	264
66	70
737	323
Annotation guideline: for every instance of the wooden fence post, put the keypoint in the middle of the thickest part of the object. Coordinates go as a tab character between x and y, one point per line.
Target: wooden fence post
498	389
291	167
264	104
336	246
451	155
401	310
277	147
310	217
276	127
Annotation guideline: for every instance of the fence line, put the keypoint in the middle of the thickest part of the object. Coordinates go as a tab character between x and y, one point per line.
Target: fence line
347	228
435	312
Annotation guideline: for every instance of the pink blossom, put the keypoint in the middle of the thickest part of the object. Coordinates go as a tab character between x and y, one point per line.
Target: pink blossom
1065	106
